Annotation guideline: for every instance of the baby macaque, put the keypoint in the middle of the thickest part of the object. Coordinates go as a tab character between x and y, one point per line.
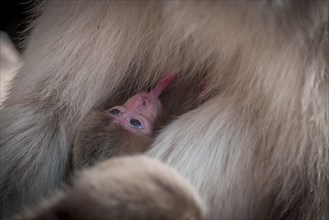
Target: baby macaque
121	130
123	188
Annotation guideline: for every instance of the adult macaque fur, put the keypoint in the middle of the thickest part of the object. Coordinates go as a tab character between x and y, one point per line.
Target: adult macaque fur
255	143
124	188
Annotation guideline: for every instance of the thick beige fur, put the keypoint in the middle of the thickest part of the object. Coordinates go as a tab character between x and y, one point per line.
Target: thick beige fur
257	146
126	188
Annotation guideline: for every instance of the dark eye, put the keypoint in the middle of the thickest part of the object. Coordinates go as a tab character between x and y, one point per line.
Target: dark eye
115	111
136	123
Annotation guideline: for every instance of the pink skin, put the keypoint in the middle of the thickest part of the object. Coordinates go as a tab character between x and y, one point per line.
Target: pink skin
138	113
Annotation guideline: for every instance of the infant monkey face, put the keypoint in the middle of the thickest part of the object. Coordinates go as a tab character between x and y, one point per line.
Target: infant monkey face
138	114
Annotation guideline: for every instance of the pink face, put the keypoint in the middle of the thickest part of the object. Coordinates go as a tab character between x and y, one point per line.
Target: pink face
138	114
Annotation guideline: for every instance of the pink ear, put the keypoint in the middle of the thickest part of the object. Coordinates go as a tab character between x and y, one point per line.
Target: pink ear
162	85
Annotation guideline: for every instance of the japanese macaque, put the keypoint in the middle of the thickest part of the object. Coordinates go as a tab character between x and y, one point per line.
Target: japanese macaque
254	143
121	130
126	188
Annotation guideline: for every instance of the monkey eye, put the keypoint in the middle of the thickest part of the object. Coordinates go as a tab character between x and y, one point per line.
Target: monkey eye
136	123
115	111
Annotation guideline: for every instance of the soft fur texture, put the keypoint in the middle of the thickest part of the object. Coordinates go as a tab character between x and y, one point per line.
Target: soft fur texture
98	139
255	142
126	188
10	64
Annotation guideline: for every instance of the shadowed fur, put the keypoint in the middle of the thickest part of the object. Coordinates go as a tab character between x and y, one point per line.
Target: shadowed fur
98	139
256	143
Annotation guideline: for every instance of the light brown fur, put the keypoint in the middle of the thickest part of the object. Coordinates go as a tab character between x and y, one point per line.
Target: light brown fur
256	146
126	188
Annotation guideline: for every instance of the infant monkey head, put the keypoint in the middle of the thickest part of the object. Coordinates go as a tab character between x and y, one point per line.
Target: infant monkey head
121	130
139	113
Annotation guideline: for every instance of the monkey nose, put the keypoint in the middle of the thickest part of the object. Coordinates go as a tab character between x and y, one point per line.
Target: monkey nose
145	100
141	102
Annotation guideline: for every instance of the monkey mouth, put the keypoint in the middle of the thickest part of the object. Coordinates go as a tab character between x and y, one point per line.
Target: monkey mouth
161	86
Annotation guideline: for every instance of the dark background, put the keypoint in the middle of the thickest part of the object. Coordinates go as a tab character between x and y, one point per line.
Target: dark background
14	17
